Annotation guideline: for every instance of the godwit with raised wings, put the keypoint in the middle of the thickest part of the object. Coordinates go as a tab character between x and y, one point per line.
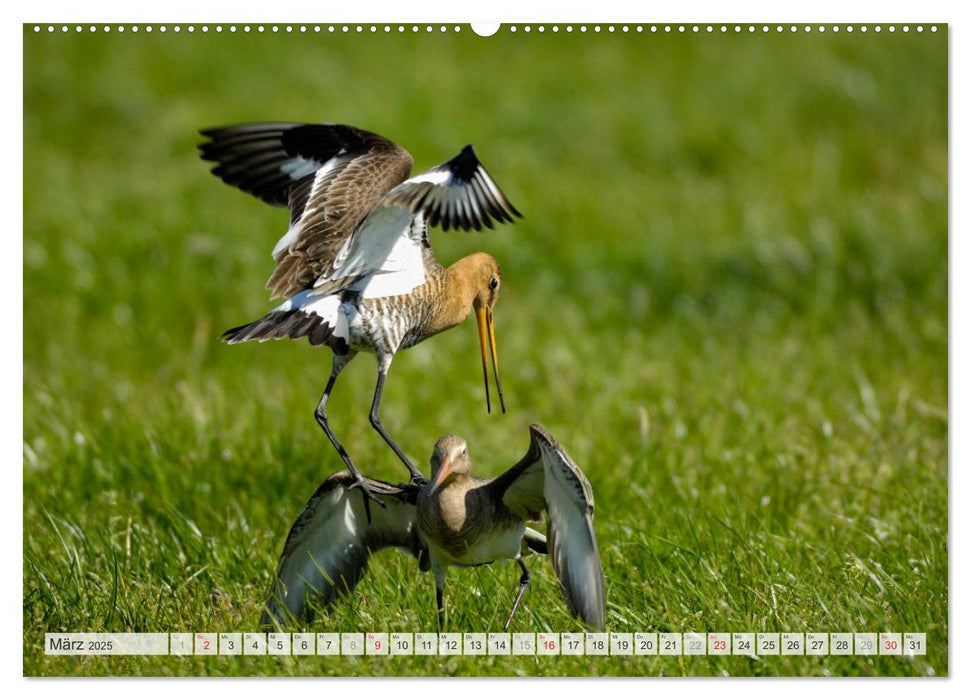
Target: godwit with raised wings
456	520
356	263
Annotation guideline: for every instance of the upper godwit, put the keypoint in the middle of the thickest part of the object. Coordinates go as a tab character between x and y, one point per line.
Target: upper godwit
356	262
455	520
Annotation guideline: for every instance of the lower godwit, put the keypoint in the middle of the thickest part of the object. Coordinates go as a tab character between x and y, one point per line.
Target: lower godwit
454	520
356	262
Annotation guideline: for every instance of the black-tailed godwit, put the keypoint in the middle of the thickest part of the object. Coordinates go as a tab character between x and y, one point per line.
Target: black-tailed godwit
454	520
355	263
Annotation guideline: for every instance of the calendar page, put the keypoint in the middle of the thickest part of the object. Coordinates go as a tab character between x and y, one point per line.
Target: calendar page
651	330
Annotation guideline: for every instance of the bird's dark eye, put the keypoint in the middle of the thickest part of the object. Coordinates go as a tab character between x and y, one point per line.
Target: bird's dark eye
493	283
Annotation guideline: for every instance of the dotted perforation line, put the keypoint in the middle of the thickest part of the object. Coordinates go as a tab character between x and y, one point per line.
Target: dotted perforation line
428	28
247	28
718	28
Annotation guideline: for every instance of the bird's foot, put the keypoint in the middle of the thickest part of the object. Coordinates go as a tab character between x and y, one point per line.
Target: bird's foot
368	493
418	479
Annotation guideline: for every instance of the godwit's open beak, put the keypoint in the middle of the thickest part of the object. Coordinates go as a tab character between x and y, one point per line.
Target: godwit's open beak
483	317
444	469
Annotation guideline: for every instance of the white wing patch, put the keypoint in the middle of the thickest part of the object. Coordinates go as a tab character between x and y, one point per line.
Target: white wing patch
299	167
327	308
402	271
385	252
434	176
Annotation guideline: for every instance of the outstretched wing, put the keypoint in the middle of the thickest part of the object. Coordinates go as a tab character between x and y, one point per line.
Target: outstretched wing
329	175
327	550
547	478
457	194
390	244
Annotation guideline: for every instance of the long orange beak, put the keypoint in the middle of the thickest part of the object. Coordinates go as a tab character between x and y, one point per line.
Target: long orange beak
487	330
444	469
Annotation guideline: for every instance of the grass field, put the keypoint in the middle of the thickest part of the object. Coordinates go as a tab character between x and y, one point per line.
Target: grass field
728	300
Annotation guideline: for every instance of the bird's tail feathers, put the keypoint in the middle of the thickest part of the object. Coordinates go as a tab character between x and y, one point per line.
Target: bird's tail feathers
316	317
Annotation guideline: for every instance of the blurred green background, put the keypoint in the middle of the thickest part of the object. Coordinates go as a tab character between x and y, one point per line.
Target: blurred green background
728	300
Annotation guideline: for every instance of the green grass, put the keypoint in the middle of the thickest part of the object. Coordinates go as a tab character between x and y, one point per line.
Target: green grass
728	300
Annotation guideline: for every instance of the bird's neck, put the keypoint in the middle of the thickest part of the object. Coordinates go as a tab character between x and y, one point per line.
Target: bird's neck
458	294
448	505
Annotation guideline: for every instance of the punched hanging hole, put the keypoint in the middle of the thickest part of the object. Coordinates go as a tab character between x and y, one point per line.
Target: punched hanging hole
485	28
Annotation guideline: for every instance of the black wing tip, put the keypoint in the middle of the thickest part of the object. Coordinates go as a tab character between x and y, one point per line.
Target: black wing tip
207	146
222	141
229	337
486	204
465	164
211	133
214	133
467	158
249	127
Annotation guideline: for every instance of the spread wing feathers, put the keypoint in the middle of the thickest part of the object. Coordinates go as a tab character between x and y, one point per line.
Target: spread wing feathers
547	478
457	194
571	538
330	176
391	243
327	550
522	485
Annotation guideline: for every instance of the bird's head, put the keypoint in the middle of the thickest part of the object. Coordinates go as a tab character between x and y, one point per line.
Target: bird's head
450	458
487	281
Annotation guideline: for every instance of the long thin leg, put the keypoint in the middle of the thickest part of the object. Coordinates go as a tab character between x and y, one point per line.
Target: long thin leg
440	596
523	583
416	476
340	361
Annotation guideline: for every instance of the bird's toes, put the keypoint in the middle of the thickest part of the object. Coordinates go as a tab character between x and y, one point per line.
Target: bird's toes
367	492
